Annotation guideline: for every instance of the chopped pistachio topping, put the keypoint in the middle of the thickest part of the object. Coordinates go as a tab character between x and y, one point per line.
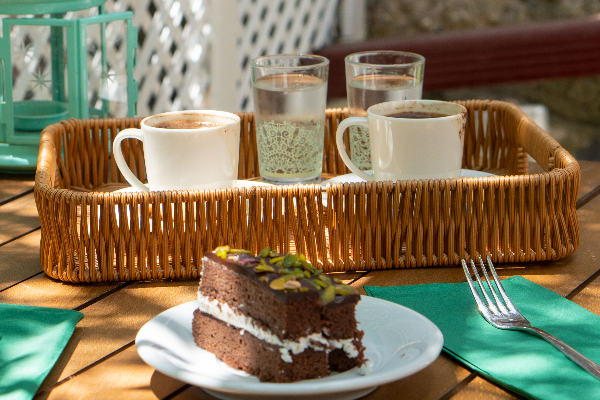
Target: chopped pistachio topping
240	251
265	252
277	284
328	295
315	284
289	260
277	260
345	290
222	251
264	268
322	284
325	279
308	267
292	284
293	270
298	273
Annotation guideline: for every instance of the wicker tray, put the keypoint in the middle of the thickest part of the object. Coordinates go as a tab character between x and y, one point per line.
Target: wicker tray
90	234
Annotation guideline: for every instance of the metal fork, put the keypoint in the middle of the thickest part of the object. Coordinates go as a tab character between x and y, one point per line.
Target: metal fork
504	315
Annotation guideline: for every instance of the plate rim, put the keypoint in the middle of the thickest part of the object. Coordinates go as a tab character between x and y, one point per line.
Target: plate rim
305	387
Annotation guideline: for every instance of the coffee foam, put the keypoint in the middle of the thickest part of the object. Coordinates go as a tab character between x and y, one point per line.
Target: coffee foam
187	124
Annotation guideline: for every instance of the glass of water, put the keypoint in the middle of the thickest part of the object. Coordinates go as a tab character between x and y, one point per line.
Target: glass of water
376	77
289	93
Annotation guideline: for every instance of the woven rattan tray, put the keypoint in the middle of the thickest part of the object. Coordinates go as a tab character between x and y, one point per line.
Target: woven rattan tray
90	234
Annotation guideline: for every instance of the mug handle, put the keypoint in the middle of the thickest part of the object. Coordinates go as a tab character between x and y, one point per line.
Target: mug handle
339	139
133	133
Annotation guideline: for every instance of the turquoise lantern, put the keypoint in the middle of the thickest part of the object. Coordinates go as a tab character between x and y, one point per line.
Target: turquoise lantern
77	78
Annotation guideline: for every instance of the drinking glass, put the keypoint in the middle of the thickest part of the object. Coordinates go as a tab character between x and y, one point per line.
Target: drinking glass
376	77
289	93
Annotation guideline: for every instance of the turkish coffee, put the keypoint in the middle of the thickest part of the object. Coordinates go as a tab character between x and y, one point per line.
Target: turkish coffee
417	115
187	124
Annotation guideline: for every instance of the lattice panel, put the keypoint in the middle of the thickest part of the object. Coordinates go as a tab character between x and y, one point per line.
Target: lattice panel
172	64
281	26
30	52
173	61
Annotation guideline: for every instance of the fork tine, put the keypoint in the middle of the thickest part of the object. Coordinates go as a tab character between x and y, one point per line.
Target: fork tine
505	297
499	303
483	308
476	295
490	304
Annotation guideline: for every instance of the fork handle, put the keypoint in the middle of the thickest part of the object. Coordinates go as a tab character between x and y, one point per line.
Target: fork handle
568	351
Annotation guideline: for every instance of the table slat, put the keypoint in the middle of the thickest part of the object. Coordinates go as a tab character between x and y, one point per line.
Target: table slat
429	384
20	259
590	177
481	389
12	185
123	376
114	321
18	217
40	291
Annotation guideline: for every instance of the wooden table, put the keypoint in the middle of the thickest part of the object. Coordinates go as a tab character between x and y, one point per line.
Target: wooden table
101	362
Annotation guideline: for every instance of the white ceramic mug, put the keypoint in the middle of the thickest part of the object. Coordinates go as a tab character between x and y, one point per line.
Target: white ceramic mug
410	148
185	159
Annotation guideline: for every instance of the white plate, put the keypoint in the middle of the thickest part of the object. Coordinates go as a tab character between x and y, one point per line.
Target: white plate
398	341
351	178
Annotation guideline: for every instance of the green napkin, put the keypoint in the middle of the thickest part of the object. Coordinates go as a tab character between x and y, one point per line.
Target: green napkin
516	360
32	340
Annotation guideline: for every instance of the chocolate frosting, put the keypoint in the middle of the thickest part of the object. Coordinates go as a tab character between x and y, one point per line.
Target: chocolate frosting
245	264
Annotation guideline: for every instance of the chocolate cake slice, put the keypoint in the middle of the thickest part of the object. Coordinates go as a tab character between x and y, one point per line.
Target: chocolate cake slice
276	316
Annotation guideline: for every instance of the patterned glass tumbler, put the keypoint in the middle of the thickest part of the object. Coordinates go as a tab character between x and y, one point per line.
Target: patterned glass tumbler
375	77
290	93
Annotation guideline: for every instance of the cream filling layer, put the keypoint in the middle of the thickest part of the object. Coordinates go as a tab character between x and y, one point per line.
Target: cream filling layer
317	341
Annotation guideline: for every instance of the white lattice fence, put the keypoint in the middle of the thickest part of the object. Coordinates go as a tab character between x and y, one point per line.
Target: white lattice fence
281	26
174	50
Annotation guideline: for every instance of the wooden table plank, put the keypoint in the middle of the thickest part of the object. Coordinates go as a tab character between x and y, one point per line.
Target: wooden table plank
192	393
12	185
114	322
430	383
18	217
589	297
122	376
590	177
481	389
20	259
41	291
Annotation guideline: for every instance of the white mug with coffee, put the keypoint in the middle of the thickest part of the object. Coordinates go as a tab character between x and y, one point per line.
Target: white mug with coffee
185	150
410	139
